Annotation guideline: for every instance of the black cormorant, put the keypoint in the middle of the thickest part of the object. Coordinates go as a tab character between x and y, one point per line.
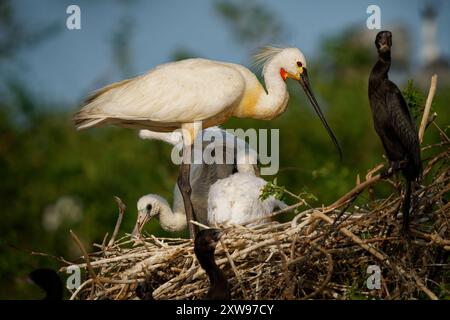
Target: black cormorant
49	281
393	121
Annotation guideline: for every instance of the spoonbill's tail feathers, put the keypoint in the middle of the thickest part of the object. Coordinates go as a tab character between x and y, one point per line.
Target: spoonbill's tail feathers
84	123
90	115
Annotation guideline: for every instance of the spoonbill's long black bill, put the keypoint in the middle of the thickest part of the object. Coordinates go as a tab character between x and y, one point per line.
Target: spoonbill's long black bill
304	81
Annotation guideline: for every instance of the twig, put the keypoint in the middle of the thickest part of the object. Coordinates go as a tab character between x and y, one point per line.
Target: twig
354	192
73	296
351	235
233	267
427	291
327	278
426	112
380	256
103	245
122	207
359	188
287	209
199	224
86	258
442	132
85	255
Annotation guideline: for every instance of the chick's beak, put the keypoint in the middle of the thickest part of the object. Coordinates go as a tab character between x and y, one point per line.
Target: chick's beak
142	219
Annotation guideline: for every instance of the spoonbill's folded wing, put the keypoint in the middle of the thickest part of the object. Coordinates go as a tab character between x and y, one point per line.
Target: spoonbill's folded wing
167	96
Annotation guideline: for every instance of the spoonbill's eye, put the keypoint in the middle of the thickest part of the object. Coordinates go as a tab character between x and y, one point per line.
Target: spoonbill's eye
148	207
299	67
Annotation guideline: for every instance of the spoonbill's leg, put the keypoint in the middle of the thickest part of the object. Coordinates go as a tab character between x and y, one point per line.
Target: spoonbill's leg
183	181
185	188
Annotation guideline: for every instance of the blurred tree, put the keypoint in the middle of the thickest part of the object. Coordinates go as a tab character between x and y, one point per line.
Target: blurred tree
252	24
182	53
15	35
121	46
351	52
342	56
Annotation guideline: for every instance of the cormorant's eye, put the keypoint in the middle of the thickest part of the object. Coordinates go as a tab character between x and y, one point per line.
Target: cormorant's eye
148	207
299	64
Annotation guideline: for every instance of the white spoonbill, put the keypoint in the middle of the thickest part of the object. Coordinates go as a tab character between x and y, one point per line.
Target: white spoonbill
202	176
232	200
179	94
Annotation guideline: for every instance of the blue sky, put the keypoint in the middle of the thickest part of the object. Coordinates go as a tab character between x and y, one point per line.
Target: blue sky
69	65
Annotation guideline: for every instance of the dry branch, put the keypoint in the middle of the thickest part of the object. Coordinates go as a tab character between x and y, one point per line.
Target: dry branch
428	104
122	207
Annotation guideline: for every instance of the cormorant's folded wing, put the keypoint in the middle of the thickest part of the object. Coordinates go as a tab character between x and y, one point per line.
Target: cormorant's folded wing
404	125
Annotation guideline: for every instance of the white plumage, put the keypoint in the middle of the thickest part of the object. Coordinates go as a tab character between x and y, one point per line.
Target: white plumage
165	94
245	157
236	200
191	90
202	176
153	205
218	195
232	200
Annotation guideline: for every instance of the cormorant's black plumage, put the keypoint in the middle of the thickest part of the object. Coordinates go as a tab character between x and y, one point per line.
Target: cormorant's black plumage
49	281
144	289
204	247
393	121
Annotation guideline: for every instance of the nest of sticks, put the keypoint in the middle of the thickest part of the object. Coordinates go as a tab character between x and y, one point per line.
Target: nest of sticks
321	253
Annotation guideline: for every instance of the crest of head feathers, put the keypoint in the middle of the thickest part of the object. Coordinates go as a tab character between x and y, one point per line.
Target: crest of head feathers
265	55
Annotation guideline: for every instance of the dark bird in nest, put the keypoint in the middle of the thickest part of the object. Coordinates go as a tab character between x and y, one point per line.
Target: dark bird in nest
204	247
144	290
49	281
393	122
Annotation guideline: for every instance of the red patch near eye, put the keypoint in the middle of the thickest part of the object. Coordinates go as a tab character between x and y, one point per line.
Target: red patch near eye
283	73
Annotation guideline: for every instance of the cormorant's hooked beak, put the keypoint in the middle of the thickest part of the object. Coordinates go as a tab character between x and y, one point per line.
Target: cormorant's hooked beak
383	42
384	48
304	81
218	233
142	219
